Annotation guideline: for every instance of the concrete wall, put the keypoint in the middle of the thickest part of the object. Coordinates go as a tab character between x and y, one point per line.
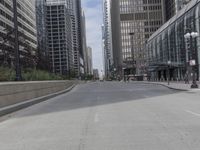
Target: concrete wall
15	92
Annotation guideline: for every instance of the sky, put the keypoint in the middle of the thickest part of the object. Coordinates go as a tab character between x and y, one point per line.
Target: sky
93	14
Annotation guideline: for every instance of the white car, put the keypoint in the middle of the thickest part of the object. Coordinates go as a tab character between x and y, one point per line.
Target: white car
101	79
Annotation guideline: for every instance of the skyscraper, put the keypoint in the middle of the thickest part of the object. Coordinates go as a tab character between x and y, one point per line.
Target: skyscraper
58	24
84	43
107	39
72	6
89	61
78	52
138	20
72	28
41	34
116	36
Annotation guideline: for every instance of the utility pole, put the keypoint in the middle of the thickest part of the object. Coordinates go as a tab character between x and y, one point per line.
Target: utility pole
16	45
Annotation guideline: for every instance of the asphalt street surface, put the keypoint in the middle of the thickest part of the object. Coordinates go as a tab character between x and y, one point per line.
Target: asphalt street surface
107	116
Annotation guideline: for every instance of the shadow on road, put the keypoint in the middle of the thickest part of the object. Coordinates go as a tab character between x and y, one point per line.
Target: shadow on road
95	94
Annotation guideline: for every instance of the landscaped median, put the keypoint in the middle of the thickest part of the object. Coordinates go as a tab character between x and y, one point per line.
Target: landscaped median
181	86
18	95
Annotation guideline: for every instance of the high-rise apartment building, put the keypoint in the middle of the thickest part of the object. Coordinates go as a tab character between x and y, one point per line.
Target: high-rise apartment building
78	51
139	19
72	27
58	25
107	39
27	31
78	57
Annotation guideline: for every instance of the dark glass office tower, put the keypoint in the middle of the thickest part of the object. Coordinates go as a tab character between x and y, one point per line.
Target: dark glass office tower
139	19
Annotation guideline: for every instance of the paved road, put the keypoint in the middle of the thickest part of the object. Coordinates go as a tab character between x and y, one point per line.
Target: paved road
107	116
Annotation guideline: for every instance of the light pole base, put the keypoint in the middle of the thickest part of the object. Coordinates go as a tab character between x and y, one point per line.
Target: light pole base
18	78
194	86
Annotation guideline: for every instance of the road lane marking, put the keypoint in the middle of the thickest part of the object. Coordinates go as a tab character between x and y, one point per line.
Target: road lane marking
193	113
96	118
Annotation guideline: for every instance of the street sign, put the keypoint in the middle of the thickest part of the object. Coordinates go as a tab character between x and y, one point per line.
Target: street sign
192	62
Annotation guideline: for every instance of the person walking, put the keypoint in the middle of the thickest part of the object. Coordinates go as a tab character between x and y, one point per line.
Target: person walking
187	78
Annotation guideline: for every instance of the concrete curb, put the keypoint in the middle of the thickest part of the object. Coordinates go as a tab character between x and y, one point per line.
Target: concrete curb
13	108
172	88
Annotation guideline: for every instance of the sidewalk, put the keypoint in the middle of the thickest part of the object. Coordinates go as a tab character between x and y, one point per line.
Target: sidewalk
173	85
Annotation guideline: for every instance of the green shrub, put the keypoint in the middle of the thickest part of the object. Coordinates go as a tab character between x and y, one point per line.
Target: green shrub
8	74
39	75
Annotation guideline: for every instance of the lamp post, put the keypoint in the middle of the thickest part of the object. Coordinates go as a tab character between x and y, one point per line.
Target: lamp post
124	75
192	57
132	51
17	55
168	64
114	73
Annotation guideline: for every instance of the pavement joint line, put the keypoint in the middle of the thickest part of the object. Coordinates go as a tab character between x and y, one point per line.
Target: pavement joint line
193	113
96	118
19	106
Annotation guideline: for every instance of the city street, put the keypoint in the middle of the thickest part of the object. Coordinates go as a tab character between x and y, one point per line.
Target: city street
107	116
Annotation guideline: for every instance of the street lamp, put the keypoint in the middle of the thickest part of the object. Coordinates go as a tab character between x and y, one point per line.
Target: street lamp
132	50
168	64
124	75
192	59
114	73
17	55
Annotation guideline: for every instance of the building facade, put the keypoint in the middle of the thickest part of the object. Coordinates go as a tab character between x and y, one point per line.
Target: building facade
41	34
139	19
107	39
71	36
27	32
169	52
116	36
59	35
79	51
171	7
84	44
89	61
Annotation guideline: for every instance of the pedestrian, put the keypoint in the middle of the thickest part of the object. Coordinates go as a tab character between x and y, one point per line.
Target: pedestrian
128	78
186	78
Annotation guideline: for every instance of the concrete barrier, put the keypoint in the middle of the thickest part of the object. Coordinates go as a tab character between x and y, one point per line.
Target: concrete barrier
12	93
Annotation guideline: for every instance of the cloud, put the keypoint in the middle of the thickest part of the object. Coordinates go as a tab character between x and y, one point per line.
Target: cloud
93	13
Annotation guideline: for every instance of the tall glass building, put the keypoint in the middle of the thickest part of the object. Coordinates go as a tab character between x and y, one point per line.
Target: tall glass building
78	30
139	20
169	53
107	39
116	37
